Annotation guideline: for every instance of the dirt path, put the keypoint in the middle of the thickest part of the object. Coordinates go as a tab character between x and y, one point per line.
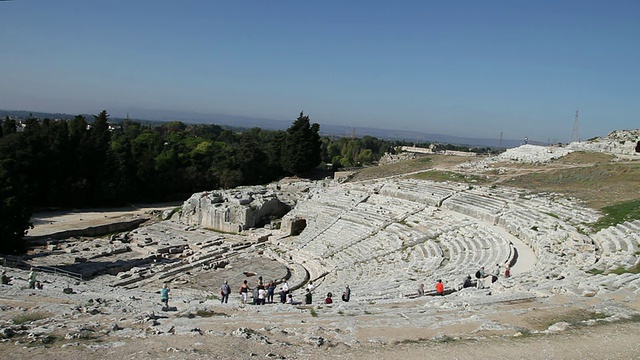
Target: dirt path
613	341
49	222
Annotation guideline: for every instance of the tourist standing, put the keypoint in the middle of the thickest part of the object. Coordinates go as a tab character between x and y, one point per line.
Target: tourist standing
496	273
164	296
308	298
271	289
480	274
421	289
225	290
346	295
310	286
244	291
507	271
285	286
32	278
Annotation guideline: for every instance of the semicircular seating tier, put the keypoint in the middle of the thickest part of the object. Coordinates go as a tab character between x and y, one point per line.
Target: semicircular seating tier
384	237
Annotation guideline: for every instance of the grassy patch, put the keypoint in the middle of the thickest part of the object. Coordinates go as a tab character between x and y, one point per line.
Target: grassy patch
595	271
411	341
552	215
617	214
618	271
445	339
404	167
29	317
599	185
204	313
574	317
311	309
622	270
582	157
173	212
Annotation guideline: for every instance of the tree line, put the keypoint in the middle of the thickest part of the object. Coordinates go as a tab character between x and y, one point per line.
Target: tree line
79	163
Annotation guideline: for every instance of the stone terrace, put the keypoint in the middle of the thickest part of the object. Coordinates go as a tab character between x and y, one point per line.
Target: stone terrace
384	237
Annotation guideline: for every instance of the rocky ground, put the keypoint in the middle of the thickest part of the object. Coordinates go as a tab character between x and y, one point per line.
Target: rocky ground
98	320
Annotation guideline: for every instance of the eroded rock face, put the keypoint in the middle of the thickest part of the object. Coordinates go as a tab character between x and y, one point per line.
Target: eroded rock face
233	210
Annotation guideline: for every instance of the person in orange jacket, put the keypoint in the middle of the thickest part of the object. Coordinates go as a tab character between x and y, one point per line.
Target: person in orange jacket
440	287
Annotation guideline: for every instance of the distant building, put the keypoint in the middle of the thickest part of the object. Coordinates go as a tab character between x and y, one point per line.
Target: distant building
417	150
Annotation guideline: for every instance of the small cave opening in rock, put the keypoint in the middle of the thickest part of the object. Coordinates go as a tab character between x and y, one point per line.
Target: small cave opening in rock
638	147
298	226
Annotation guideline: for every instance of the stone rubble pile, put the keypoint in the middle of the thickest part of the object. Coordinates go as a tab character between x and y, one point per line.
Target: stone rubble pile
619	142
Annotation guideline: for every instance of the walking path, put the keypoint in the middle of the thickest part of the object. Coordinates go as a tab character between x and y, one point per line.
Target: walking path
526	257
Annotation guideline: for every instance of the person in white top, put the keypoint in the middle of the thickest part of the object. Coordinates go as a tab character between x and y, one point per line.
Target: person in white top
285	286
310	286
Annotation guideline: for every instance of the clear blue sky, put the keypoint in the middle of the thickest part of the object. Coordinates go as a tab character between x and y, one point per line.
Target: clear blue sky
465	68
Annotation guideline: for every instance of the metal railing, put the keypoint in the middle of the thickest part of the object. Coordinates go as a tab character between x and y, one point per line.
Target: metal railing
17	262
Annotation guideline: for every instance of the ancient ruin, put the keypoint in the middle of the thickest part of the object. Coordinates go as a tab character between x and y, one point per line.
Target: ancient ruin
381	237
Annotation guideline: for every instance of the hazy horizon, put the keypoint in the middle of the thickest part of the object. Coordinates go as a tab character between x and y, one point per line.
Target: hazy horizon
466	69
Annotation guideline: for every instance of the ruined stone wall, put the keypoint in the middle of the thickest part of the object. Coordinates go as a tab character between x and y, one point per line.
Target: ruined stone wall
390	158
232	210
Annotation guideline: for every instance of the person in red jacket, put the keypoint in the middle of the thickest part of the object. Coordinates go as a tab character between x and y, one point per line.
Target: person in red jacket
440	287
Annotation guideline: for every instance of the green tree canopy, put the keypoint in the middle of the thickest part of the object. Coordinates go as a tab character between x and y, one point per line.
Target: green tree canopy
302	147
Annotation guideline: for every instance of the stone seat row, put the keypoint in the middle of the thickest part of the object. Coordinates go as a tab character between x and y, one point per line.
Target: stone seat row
559	207
392	238
393	268
612	240
424	192
339	198
618	247
393	208
612	281
472	251
339	235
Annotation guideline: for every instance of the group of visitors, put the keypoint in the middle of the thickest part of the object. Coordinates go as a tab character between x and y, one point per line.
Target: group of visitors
480	275
263	294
